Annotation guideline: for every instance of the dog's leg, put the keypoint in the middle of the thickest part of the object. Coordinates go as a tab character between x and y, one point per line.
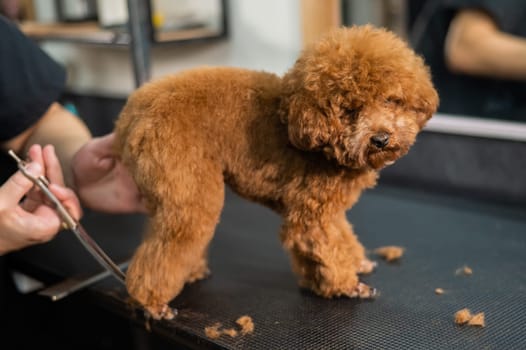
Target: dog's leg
362	263
174	250
324	256
200	270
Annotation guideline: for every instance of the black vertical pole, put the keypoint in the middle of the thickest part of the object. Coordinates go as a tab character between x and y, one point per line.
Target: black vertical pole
139	28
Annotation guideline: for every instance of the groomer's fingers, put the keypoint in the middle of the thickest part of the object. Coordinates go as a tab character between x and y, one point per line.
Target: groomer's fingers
53	168
35	155
12	191
68	199
104	145
102	155
35	195
41	225
94	161
30	203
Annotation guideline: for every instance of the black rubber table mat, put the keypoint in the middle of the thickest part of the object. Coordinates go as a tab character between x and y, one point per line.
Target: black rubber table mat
251	275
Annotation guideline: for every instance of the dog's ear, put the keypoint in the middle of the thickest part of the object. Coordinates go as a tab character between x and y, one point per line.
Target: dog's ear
422	118
308	127
426	106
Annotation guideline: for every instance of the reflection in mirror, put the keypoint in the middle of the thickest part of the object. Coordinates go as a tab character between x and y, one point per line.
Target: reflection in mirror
474	57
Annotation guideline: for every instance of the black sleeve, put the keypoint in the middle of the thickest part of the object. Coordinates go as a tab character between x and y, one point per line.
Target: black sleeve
30	81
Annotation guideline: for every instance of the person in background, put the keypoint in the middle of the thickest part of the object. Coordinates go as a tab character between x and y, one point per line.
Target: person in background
476	50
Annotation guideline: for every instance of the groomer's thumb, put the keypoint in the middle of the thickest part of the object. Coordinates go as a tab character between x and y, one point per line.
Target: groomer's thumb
12	191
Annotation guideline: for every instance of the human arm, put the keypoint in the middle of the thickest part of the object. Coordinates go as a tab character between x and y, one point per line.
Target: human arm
475	45
58	127
30	83
32	221
90	166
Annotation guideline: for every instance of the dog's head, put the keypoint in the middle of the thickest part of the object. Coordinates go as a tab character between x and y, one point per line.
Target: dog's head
360	95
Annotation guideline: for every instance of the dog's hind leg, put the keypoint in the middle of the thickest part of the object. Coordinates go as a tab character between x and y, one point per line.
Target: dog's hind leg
174	250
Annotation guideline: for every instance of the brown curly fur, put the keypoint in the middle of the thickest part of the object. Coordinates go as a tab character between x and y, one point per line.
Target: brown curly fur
300	144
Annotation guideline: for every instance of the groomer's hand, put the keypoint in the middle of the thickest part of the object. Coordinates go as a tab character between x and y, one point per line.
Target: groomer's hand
33	221
102	182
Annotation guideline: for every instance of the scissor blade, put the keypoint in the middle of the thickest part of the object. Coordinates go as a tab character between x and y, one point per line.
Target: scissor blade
97	252
71	285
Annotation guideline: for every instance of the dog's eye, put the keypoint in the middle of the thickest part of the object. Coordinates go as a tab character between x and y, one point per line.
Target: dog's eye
352	113
393	100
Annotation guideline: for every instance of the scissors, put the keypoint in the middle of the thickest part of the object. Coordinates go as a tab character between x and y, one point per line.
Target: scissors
70	223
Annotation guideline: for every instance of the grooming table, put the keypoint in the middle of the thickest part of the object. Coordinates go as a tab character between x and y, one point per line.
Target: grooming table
251	275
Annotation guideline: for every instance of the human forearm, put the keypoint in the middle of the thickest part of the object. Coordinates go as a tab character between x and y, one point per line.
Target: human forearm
65	131
474	45
100	179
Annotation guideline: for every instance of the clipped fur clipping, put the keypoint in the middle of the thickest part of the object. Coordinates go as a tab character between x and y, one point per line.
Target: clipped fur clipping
213	331
245	323
464	316
390	253
477	320
464	270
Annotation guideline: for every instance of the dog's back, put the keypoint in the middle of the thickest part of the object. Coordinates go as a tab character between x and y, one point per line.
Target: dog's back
198	103
226	117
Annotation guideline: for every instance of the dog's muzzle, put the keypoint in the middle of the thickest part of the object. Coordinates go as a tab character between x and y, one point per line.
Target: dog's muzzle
380	140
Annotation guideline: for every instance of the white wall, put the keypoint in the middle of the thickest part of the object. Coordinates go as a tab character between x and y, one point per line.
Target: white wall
264	35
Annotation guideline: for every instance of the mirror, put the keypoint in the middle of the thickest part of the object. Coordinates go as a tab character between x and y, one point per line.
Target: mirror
470	104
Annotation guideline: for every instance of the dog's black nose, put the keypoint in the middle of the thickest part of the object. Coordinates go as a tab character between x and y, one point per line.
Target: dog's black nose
380	140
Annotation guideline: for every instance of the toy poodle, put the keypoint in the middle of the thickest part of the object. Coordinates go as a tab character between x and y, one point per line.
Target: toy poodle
305	145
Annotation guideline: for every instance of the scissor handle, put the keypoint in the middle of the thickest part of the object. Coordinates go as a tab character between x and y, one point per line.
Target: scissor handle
43	183
93	248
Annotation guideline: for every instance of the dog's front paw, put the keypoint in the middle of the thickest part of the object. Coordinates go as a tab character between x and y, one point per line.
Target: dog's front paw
331	283
363	291
161	312
367	266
